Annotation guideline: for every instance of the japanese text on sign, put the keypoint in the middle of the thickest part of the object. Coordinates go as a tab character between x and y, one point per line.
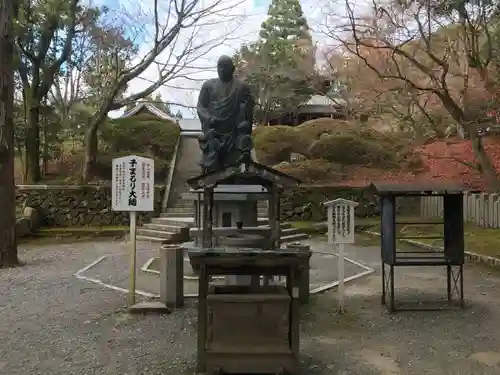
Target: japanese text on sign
132	196
133	184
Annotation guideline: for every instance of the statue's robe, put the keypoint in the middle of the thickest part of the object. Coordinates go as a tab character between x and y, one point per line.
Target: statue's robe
225	111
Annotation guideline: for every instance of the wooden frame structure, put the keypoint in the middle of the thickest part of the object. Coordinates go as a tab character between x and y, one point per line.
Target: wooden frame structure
245	174
218	351
452	256
277	356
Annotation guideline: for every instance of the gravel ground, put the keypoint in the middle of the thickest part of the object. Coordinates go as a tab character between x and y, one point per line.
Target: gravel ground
53	323
113	270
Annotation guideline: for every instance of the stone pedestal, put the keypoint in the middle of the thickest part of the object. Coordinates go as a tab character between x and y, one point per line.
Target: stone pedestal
172	275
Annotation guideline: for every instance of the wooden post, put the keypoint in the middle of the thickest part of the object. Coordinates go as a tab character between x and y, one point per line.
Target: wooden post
132	257
341	231
208	195
304	274
278	216
172	275
341	266
202	318
275	225
330	224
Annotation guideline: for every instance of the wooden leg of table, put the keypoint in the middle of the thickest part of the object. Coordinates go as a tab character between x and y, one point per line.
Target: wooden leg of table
383	283
393	303
294	316
202	318
448	282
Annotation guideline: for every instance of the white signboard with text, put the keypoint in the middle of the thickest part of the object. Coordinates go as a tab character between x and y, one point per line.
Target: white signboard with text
133	184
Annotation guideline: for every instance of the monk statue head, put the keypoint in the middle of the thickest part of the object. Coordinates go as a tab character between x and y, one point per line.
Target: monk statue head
225	68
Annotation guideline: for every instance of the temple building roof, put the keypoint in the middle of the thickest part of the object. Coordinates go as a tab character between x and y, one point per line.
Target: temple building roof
186	125
252	173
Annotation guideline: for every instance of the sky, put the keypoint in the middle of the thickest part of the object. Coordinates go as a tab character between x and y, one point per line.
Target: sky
239	20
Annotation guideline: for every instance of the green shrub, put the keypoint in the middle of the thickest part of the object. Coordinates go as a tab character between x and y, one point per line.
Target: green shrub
312	171
274	144
143	135
312	130
350	149
104	163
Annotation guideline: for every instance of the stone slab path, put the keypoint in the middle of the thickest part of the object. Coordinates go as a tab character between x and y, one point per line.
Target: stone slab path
113	270
53	323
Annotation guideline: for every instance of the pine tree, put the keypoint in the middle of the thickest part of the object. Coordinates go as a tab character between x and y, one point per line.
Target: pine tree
162	105
281	65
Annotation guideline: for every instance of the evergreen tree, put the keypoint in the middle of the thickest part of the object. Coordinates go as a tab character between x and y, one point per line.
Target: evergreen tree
162	105
281	65
156	101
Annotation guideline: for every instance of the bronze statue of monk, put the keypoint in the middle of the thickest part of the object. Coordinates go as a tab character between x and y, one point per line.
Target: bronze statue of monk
225	109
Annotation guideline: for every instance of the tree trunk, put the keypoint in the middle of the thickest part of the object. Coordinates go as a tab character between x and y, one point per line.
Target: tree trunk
90	157
8	244
487	168
45	153
32	158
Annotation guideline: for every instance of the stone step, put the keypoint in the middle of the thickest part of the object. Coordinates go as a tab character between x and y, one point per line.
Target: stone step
186	175
176	214
156	233
289	231
171	221
141	238
294	237
187	210
182	204
264	221
165	228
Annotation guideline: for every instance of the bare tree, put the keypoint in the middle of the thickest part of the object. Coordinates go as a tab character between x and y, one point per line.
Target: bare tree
8	245
431	47
179	38
44	40
364	93
68	90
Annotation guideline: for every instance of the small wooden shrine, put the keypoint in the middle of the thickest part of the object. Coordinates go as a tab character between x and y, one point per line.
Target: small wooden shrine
451	256
233	206
251	173
247	327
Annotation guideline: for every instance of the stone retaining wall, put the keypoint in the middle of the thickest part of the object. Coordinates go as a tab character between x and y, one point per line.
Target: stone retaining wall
294	202
73	206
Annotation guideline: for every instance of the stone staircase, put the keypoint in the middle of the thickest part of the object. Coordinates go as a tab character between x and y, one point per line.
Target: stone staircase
288	233
164	230
173	225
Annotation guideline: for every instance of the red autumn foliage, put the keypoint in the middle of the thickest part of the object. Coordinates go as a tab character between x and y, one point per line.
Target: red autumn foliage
443	162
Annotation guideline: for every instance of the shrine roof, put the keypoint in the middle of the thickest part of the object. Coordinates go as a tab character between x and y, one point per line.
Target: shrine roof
252	173
418	189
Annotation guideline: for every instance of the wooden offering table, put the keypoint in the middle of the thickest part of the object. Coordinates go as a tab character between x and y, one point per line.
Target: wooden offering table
251	329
